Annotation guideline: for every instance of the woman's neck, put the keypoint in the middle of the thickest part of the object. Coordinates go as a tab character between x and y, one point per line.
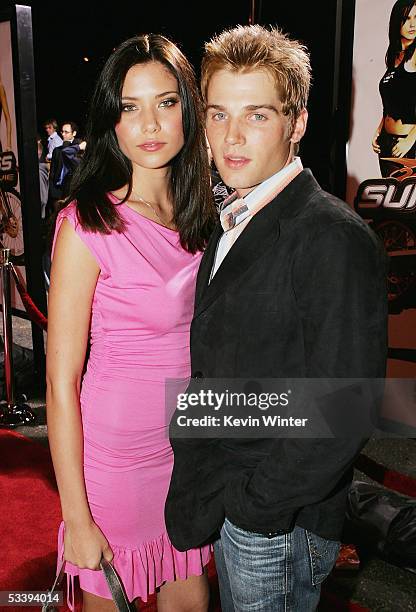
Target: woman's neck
153	186
406	43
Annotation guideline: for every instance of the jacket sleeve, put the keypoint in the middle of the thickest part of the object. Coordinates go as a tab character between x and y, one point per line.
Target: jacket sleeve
53	171
339	280
70	156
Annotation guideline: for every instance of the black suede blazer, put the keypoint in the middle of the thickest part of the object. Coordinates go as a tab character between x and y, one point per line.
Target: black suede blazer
302	293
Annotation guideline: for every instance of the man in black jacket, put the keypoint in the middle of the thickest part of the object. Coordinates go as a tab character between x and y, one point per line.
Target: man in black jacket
60	171
291	286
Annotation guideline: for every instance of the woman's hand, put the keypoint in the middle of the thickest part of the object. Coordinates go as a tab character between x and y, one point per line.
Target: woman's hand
403	145
84	544
376	146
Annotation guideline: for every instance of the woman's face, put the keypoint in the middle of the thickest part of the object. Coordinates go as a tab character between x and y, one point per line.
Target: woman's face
408	29
150	131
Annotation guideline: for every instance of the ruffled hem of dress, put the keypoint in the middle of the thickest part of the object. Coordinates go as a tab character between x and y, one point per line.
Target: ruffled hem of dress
142	570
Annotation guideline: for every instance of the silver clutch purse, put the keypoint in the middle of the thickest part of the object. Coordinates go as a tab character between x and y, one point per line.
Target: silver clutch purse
113	580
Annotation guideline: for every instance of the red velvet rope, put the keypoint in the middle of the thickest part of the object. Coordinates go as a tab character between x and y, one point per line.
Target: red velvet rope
35	315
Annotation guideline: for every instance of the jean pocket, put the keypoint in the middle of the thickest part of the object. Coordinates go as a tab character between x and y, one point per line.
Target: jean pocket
322	556
261	566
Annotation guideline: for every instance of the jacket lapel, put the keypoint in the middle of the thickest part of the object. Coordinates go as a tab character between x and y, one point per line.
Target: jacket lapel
261	232
207	262
256	238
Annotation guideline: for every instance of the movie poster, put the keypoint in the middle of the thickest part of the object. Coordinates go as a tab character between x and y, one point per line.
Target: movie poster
381	165
11	231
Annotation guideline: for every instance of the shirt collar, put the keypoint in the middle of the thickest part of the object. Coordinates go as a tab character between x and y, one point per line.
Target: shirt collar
234	209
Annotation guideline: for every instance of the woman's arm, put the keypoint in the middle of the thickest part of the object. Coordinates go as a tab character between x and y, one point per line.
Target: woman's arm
74	276
376	146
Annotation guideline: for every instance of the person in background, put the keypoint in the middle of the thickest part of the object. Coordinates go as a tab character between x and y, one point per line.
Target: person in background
44	193
395	136
54	140
43	178
127	249
58	180
71	157
291	285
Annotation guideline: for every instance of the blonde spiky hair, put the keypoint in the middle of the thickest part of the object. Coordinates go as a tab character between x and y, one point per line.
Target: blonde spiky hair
247	48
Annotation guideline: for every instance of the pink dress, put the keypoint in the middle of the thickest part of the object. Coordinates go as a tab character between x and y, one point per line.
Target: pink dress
141	315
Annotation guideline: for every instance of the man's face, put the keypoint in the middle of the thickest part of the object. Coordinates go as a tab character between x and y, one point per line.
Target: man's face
249	136
67	133
49	129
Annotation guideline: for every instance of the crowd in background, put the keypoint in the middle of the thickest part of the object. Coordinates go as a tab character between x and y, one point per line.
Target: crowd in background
59	153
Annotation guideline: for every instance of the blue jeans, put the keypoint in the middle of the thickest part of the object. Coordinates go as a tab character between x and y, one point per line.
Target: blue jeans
280	574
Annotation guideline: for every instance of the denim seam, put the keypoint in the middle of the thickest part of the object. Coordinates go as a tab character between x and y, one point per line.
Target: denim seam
288	569
312	561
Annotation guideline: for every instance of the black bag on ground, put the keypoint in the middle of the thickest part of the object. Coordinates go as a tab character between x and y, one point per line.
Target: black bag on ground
383	521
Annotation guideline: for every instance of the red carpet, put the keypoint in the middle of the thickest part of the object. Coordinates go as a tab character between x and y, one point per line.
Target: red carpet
29	518
30	513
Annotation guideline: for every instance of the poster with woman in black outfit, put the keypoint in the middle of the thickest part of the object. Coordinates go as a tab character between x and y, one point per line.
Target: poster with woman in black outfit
395	136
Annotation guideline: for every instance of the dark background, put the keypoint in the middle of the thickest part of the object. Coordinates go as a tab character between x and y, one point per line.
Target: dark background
66	32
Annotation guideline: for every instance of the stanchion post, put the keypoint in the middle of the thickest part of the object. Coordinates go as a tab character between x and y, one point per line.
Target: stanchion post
11	414
7	328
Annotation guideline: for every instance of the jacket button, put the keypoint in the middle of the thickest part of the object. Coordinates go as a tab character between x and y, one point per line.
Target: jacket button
198	374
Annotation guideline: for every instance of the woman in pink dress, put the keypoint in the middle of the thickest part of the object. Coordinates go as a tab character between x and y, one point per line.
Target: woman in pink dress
126	253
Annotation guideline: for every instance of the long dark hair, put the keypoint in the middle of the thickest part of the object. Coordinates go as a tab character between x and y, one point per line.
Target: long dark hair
398	16
105	168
